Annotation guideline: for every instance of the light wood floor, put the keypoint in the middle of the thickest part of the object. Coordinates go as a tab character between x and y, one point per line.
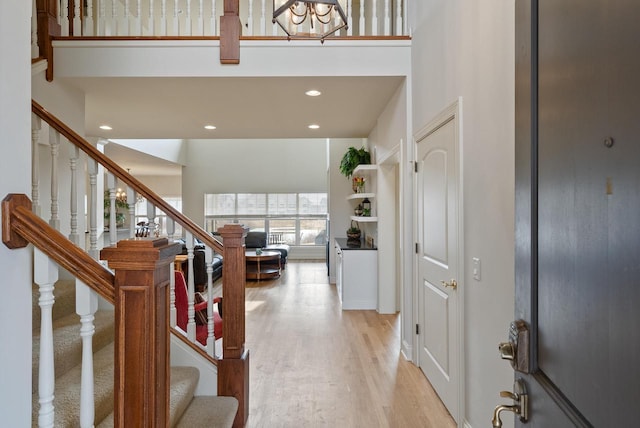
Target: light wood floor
314	365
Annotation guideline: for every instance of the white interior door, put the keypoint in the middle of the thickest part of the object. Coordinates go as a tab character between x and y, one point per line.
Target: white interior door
438	267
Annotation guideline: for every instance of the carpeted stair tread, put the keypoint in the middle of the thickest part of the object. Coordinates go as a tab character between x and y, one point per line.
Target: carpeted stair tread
64	293
68	343
209	412
67	391
183	383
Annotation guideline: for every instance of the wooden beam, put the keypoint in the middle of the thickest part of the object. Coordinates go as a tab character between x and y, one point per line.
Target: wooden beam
230	29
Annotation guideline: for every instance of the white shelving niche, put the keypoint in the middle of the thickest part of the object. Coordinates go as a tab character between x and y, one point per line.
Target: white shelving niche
369	172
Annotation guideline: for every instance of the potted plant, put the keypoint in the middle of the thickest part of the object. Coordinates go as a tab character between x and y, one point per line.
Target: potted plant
353	233
352	158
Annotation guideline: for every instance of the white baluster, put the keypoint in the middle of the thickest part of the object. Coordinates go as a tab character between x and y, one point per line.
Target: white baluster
151	215
212	20
362	29
211	340
173	313
171	229
131	199
191	323
113	232
63	18
77	19
45	274
92	167
250	19
114	18
36	126
54	141
138	21
123	22
374	18
174	24
163	18
399	29
152	19
350	17
102	18
387	19
88	20
263	18
86	307
187	21
200	22
35	50
73	200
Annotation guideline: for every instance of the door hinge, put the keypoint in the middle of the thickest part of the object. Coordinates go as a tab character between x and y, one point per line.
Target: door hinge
417	329
417	248
415	167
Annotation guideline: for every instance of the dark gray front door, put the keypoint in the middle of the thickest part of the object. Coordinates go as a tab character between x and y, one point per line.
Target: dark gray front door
578	209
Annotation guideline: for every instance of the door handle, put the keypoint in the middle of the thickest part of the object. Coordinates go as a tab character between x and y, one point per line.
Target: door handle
453	284
520	404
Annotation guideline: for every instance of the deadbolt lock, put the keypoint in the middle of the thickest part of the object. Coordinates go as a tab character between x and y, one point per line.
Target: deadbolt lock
516	350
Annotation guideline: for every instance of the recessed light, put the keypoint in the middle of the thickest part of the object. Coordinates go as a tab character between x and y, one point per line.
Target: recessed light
106	127
314	126
209	127
313	93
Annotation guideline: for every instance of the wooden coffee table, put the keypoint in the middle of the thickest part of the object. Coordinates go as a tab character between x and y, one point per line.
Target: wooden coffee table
263	266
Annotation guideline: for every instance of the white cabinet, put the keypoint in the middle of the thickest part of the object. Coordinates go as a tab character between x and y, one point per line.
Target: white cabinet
356	275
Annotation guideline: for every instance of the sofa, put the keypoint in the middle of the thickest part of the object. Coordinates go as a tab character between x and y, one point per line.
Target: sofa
200	269
257	239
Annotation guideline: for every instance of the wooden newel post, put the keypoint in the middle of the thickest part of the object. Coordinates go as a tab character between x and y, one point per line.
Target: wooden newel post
48	27
142	270
233	368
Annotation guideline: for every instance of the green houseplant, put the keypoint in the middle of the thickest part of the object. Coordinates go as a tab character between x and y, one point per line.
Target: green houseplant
352	158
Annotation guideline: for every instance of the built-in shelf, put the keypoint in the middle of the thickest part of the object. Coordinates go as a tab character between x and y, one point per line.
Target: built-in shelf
363	219
361	196
364	170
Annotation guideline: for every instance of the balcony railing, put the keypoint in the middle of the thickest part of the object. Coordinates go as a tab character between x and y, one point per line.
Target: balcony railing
189	18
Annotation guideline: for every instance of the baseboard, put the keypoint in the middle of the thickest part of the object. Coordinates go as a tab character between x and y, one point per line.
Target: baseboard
466	424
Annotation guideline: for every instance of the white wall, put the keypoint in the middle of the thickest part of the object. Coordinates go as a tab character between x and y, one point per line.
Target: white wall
163	185
171	150
466	49
15	167
279	166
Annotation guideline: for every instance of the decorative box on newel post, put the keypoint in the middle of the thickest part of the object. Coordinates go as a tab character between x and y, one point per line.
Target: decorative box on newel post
142	271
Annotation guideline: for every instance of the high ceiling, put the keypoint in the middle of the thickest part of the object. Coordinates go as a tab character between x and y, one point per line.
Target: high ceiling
270	107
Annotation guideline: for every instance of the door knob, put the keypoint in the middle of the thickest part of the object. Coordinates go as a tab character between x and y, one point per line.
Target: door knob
453	284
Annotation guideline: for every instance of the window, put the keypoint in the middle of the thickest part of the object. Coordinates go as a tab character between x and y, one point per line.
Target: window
161	219
290	218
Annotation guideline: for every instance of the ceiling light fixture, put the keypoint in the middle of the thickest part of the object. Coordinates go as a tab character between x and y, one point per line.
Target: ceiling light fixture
209	127
106	127
314	126
325	17
313	93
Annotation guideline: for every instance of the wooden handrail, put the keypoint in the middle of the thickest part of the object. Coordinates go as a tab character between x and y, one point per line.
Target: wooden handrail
20	227
123	175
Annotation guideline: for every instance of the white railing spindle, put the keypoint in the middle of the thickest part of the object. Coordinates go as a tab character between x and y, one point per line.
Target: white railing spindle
361	23
86	307
137	23
211	339
73	200
191	323
151	215
250	19
387	18
111	186
102	18
213	19
92	169
114	18
45	274
200	22
36	126
349	17
131	200
399	27
152	20
187	21
171	229
263	18
123	22
163	18
35	50
374	18
54	142
88	20
77	19
63	18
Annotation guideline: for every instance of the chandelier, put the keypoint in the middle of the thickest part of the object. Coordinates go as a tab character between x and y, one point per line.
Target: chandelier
121	196
309	19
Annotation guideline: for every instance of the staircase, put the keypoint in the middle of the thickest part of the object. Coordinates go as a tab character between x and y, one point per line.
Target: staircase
185	409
